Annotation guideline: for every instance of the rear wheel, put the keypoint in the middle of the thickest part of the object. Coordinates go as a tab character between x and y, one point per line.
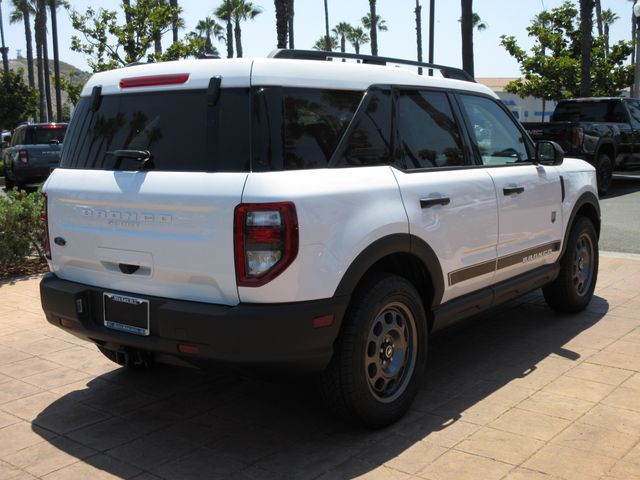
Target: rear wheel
573	289
380	355
604	173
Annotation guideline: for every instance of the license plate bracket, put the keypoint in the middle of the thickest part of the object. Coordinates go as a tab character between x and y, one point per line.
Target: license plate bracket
125	313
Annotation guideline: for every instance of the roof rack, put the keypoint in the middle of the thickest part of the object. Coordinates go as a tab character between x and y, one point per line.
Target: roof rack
447	72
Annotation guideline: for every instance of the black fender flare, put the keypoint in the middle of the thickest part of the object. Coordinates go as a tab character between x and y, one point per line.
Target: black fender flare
587	198
389	245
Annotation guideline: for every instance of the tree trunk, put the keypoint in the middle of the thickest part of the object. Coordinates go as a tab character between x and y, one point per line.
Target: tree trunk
5	49
633	39
229	31
343	43
467	36
291	13
282	22
606	40
374	27
418	12
56	58
29	40
38	30
586	27
238	34
174	26
327	39
357	47
157	43
45	59
130	47
599	25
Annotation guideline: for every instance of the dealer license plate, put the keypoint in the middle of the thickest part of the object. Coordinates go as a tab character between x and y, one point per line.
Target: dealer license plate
127	314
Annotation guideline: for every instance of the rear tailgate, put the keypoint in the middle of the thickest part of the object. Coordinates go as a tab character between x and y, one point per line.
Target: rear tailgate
559	132
154	233
43	156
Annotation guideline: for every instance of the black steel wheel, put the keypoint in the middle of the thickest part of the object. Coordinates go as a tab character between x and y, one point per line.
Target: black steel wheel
380	354
573	289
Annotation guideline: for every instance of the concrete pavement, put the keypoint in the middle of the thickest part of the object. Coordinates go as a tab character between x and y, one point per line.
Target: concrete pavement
522	393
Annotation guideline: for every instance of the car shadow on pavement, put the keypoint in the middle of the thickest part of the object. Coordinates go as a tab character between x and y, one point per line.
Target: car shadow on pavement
183	423
623	185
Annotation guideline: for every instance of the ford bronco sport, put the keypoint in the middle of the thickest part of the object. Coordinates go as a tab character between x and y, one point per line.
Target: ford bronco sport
306	216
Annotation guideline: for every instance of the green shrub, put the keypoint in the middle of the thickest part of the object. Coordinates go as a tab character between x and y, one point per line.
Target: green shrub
21	228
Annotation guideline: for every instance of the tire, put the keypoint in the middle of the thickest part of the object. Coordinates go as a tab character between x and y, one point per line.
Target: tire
380	354
135	360
573	289
604	173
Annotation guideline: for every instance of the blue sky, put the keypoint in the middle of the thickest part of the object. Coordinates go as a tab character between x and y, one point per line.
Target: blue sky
510	17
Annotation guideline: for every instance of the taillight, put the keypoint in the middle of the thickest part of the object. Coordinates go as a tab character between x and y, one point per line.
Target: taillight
23	155
577	137
154	80
265	241
44	216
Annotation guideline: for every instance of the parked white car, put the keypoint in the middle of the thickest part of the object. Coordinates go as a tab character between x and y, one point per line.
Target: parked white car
306	216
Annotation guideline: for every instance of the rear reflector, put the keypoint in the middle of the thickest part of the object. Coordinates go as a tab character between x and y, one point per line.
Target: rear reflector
190	349
154	80
66	323
324	321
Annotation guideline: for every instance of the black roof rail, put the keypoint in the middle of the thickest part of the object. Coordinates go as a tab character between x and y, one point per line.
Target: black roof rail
447	72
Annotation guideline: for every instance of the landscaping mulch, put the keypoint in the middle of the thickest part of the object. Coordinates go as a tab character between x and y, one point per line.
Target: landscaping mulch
29	266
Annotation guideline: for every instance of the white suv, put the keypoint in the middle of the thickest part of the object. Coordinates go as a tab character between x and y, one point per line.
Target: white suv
305	216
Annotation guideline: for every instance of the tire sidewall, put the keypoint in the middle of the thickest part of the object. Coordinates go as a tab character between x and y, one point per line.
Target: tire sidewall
604	168
581	226
387	291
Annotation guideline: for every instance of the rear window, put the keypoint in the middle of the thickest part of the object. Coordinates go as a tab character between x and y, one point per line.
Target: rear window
180	130
603	111
46	134
299	128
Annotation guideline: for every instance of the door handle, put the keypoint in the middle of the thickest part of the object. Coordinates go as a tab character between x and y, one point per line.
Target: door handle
432	202
513	190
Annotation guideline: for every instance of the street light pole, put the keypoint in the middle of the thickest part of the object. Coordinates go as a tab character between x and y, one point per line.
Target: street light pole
636	76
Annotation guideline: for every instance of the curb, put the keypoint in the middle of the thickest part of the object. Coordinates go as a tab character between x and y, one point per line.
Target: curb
626	256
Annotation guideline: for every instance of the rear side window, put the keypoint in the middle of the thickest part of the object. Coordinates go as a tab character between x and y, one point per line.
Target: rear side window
428	132
180	130
299	128
588	111
47	134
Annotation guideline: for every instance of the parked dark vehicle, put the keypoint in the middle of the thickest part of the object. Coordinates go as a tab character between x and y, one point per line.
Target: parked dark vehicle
33	152
603	131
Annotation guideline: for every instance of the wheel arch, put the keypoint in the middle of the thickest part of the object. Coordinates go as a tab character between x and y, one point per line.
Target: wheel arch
587	206
404	255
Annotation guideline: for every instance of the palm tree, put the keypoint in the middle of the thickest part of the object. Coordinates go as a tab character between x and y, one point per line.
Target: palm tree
176	20
373	27
586	27
327	40
23	9
40	27
357	37
42	7
229	29
282	21
418	12
381	26
466	21
241	10
599	20
208	27
609	17
56	58
341	31
5	49
291	14
321	44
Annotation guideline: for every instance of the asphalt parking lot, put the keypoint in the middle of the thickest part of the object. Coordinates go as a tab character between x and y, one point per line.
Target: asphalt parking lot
522	393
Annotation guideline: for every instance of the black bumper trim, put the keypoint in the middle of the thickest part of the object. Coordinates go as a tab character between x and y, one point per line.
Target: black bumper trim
273	337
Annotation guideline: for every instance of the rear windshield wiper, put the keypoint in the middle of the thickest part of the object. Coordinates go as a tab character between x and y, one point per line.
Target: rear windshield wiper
143	156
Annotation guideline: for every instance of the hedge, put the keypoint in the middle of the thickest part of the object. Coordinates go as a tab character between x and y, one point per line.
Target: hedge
21	229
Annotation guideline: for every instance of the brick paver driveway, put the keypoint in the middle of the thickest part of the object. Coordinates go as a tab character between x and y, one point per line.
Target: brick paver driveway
520	394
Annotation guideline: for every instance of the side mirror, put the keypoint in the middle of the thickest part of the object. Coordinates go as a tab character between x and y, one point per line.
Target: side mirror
549	153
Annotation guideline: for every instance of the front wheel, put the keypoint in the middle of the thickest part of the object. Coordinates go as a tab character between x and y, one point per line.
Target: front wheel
380	354
604	173
573	289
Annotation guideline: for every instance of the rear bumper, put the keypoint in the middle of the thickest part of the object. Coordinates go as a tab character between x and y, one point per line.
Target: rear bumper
31	173
277	338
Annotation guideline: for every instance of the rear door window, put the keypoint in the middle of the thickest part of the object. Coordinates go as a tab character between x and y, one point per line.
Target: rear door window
180	130
299	128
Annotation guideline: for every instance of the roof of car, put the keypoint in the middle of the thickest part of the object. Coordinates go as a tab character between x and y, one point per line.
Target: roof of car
245	72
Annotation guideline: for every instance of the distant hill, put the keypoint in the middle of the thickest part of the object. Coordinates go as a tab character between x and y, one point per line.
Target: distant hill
65	69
